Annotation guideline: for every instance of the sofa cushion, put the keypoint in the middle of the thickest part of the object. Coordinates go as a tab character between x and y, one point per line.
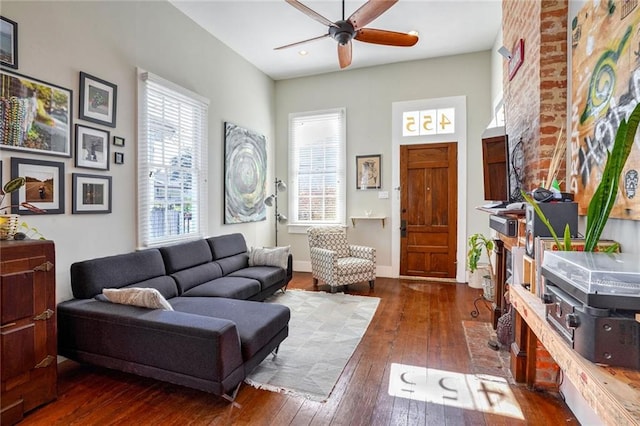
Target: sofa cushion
233	263
90	277
266	275
143	297
191	277
230	287
227	245
185	255
257	322
276	256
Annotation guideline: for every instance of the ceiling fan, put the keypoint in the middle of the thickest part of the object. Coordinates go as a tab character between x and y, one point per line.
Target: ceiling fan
344	30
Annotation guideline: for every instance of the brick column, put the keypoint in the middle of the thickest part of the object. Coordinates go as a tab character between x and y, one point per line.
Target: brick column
536	98
536	105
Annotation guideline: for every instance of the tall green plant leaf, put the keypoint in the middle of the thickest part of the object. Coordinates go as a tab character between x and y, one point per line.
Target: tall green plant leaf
606	193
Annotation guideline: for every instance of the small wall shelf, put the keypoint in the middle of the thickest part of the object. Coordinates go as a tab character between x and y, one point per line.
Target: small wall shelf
355	218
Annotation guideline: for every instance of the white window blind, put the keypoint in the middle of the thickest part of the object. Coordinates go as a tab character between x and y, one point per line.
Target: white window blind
172	162
317	163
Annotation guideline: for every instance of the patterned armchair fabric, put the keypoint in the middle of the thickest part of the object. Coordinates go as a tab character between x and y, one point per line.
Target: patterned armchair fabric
337	263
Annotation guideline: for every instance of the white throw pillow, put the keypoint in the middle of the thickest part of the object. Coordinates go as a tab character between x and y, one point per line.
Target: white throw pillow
277	256
143	297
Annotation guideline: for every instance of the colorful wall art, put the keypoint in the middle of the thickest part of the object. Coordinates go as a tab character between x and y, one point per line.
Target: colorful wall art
245	172
606	88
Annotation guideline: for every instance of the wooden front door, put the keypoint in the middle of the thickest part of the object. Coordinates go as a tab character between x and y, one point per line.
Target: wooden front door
428	203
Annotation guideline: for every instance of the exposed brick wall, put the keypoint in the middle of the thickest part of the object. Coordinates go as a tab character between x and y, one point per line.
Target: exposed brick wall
536	104
536	98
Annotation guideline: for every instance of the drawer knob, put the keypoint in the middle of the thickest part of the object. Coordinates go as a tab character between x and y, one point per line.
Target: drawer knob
45	315
45	362
45	267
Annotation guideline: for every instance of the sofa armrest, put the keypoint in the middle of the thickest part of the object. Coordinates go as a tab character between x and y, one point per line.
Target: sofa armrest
289	268
193	345
363	252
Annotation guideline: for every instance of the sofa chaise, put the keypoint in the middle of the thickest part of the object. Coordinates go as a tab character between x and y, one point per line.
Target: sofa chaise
215	334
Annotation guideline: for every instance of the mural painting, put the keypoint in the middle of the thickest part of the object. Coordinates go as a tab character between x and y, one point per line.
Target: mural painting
606	88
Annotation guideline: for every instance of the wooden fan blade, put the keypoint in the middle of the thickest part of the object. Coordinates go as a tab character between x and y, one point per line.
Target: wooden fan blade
389	38
301	42
344	54
369	11
311	13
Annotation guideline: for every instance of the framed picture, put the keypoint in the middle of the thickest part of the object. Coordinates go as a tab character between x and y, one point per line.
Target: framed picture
118	141
97	100
368	172
44	188
92	148
245	175
91	194
118	158
38	114
8	43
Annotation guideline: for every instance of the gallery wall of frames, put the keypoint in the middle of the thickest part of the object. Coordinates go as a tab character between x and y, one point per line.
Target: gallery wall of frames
37	117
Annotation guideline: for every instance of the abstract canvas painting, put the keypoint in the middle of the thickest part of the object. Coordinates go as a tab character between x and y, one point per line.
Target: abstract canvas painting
245	169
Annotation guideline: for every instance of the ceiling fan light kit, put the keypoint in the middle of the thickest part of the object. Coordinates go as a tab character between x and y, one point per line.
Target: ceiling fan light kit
345	30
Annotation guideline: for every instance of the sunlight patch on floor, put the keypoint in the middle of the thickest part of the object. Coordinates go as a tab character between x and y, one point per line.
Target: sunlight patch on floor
479	392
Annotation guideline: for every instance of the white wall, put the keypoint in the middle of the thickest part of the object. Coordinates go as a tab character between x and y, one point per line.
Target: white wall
368	95
109	40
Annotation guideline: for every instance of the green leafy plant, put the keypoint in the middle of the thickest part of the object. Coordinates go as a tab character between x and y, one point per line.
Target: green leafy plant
477	243
605	195
8	188
28	232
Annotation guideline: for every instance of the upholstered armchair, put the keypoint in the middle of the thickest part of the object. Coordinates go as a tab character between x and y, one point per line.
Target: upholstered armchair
337	263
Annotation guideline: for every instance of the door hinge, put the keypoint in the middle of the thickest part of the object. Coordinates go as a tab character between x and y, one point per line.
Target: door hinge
45	315
45	267
45	362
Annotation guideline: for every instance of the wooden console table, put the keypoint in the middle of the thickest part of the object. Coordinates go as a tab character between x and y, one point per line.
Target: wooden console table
613	393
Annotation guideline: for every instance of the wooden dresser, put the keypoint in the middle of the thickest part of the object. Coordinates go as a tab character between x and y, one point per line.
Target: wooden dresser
28	367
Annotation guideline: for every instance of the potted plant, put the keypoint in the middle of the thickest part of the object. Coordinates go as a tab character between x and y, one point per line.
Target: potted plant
477	244
8	221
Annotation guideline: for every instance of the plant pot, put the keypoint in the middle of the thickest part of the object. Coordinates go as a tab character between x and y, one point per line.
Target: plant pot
9	226
488	288
475	278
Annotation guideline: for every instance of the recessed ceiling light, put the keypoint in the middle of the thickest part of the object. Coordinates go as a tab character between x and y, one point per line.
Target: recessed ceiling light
303	53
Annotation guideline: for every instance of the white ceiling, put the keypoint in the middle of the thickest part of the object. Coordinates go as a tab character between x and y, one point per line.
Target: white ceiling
254	28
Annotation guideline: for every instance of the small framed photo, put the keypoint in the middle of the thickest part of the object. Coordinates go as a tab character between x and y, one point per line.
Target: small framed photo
368	171
44	188
91	194
8	43
92	148
97	100
118	141
118	158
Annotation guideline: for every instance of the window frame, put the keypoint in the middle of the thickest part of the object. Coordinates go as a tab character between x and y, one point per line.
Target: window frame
298	226
146	187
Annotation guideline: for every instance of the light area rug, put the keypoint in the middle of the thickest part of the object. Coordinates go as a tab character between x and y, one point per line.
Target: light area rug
324	331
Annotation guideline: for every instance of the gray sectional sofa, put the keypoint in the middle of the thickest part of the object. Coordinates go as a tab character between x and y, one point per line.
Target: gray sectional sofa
216	334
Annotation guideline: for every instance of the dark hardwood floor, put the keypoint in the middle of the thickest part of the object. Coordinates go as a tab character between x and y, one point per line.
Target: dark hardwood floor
417	323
